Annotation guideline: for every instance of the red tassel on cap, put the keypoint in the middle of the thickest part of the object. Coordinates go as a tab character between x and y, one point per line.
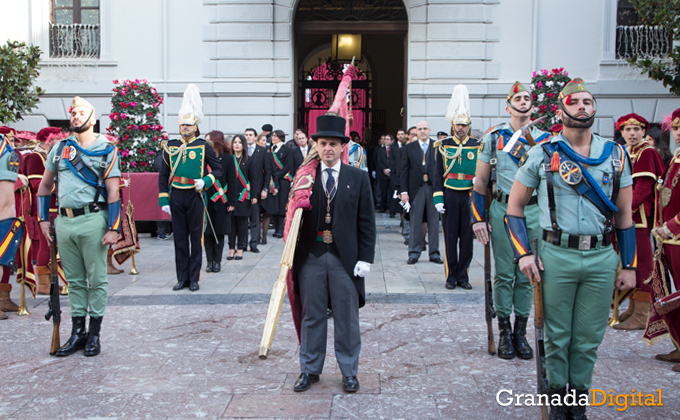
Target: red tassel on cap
555	162
501	143
568	101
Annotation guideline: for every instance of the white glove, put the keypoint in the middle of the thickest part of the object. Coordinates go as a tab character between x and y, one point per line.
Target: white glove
440	208
362	269
199	184
166	209
406	206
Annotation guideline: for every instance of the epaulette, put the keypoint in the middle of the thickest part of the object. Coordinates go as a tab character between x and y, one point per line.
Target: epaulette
164	144
494	128
438	143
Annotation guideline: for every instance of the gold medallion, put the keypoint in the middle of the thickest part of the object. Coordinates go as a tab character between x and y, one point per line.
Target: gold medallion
327	237
470	156
570	172
665	196
192	155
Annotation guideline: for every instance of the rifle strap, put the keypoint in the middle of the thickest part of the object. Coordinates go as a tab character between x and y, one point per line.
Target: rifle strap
493	162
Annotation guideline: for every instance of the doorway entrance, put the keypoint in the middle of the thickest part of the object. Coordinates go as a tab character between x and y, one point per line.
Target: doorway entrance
378	93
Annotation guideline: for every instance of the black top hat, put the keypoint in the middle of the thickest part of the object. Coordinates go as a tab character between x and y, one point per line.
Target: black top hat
330	126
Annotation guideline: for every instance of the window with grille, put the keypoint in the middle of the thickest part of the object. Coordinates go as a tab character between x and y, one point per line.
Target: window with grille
75	29
635	39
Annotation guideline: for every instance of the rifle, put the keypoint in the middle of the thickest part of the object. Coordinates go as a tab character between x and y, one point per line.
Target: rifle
54	311
490	312
540	348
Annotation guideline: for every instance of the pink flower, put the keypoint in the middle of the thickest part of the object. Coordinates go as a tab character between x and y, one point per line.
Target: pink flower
123	115
115	82
125	153
544	72
150	152
534	74
553	107
133	104
133	164
539	84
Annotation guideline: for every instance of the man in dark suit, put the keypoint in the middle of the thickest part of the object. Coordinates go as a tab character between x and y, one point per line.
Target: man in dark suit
382	171
417	170
256	169
334	253
300	149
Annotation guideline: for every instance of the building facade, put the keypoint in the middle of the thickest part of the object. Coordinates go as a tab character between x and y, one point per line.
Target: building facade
251	58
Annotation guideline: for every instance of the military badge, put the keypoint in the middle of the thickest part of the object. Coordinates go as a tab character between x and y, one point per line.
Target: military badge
605	179
66	152
470	156
192	155
72	153
14	162
570	173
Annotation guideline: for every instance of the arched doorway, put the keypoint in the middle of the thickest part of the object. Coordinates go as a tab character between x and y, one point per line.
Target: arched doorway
379	94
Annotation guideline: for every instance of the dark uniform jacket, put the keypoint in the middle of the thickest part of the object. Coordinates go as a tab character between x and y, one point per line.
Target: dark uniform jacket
278	174
217	210
381	163
412	171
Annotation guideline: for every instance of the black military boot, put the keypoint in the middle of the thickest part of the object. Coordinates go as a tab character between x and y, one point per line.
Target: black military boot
578	412
505	347
558	412
519	339
92	346
77	340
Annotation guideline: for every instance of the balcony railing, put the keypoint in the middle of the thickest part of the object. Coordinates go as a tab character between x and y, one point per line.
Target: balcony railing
75	41
642	41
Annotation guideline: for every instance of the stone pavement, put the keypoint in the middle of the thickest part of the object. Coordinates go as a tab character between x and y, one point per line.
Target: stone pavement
184	355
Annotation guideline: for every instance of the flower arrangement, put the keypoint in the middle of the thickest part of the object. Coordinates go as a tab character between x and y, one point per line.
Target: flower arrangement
546	86
134	120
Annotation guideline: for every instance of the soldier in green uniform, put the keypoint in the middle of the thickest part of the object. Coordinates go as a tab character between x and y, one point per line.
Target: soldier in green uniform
182	181
10	226
86	169
496	171
357	156
584	187
454	170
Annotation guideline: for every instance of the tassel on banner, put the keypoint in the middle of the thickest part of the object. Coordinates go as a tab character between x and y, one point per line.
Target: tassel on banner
555	162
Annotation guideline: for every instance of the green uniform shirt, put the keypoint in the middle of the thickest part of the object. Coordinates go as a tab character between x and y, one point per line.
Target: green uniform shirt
6	174
74	193
576	215
506	168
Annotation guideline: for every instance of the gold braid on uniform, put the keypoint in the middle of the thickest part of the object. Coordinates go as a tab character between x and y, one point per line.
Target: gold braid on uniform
181	150
451	156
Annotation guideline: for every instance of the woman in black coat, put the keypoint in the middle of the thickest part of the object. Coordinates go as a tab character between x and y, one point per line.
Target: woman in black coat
219	203
279	161
239	217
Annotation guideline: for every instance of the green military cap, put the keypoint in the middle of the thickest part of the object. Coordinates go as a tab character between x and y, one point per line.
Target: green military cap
516	88
575	86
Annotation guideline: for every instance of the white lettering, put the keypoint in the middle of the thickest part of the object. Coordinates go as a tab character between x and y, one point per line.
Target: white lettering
508	401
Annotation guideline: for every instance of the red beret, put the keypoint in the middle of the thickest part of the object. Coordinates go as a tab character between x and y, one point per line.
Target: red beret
632	119
6	130
25	135
46	132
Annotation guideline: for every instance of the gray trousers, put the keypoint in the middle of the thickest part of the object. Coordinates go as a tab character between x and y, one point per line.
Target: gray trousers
422	204
254	224
320	278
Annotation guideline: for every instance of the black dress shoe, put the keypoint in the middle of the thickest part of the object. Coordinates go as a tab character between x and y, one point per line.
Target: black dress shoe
93	345
194	286
305	381
77	340
238	257
464	285
405	241
209	267
180	285
450	285
437	260
350	384
254	249
412	261
216	267
230	258
263	241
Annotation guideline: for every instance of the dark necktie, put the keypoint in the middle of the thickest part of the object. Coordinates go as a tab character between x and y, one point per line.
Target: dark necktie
330	184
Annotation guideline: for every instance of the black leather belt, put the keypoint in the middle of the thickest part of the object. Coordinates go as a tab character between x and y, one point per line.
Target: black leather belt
503	198
580	242
91	208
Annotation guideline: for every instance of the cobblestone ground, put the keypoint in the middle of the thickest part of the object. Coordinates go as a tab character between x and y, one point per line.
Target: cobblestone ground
181	355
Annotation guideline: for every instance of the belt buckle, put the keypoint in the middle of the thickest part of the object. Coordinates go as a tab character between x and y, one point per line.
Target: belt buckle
584	242
461	177
493	161
69	213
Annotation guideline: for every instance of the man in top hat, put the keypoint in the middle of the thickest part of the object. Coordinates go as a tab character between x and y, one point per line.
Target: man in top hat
585	193
454	170
647	168
86	169
9	226
334	253
667	234
417	171
182	182
496	171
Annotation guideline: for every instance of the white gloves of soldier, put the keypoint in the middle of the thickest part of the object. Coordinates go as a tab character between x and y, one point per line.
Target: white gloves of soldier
166	209
199	184
362	269
440	208
406	206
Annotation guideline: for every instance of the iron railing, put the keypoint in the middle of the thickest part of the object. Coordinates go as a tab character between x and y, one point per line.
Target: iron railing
75	41
642	41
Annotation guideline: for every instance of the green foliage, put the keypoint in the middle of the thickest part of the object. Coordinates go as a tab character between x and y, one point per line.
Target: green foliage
18	70
546	86
134	120
663	13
